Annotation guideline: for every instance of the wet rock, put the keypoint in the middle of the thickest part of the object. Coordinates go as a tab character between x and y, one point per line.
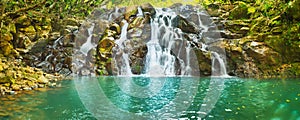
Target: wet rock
70	29
105	47
50	55
137	58
84	71
41	85
148	8
263	54
71	22
185	25
204	62
51	85
42	80
100	26
11	92
130	12
27	88
115	27
135	32
229	35
137	22
213	10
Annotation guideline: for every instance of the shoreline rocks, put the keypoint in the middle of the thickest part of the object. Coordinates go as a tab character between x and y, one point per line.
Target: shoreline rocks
255	46
15	77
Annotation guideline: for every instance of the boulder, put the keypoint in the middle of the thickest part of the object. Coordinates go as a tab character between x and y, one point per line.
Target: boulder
240	11
186	26
16	87
148	8
42	80
130	12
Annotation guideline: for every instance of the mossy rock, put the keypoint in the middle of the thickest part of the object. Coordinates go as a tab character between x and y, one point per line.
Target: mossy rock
130	11
148	8
185	25
105	46
23	21
213	10
7	49
6	79
240	11
7	37
137	22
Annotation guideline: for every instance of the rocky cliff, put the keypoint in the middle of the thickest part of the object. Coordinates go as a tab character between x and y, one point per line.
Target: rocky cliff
261	38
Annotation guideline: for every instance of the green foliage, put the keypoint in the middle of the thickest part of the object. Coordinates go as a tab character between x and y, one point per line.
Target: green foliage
67	8
156	3
251	10
41	12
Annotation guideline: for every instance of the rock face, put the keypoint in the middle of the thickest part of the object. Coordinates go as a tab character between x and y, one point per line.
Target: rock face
14	77
249	40
22	47
136	47
255	46
195	26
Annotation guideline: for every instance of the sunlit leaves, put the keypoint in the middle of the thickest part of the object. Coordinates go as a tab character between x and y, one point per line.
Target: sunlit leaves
251	9
109	5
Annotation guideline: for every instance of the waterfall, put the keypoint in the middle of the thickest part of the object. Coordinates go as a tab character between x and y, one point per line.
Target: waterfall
124	68
140	12
168	51
218	65
83	57
159	59
88	45
170	47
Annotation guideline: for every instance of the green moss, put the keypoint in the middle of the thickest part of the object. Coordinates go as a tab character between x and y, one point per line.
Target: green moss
240	11
295	69
7	79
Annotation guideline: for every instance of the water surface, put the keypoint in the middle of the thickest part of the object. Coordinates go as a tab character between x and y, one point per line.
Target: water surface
154	98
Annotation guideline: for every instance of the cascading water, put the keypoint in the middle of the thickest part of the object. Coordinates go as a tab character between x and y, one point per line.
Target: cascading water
170	46
159	59
88	45
83	60
123	66
218	65
155	44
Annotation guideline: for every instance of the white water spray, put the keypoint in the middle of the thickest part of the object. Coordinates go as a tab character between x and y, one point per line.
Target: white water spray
88	45
124	68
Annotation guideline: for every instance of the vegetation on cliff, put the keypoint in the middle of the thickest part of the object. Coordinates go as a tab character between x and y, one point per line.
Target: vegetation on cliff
27	27
253	25
272	25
